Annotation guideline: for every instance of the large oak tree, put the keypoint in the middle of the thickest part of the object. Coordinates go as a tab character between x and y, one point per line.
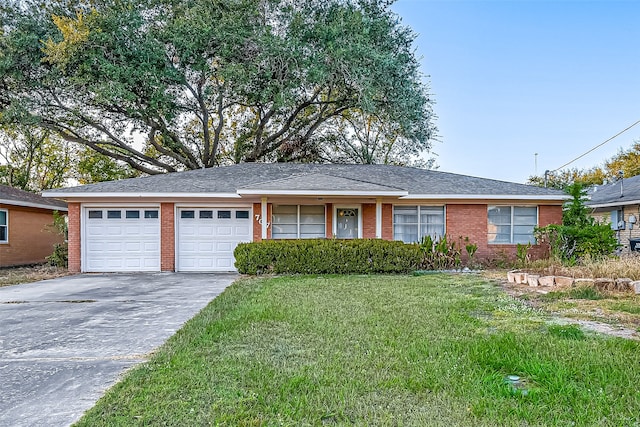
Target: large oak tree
166	85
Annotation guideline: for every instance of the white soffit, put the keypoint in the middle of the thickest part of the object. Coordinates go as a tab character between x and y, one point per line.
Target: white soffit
356	193
32	205
614	204
96	195
485	197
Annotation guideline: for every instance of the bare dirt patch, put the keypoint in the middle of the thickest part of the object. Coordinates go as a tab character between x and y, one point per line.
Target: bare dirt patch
16	275
611	313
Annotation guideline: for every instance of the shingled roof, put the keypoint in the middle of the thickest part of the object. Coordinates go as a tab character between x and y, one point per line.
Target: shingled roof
17	197
618	193
296	178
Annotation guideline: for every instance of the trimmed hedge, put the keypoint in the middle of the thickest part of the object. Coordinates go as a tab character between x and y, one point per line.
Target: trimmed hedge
331	256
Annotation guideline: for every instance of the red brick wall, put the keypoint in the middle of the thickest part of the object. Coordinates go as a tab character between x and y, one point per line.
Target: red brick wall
270	217
74	233
257	227
328	225
387	221
30	237
168	237
471	221
369	221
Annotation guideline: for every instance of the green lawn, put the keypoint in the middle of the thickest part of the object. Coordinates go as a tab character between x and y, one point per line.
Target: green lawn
378	350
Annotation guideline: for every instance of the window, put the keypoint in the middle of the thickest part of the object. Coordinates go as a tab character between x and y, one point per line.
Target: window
512	224
95	214
224	214
188	214
206	215
411	223
132	214
151	214
617	220
114	214
242	214
4	226
298	222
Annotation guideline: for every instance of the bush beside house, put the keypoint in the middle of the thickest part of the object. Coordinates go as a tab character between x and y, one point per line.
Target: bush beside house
330	256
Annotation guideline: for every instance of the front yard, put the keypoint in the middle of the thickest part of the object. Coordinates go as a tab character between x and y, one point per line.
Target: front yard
378	350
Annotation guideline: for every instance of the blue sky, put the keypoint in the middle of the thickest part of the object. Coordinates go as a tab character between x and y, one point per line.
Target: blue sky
514	78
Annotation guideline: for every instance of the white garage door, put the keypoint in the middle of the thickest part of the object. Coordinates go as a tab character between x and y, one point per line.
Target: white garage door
208	236
121	239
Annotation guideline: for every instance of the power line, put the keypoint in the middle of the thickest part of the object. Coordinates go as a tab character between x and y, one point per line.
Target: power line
596	147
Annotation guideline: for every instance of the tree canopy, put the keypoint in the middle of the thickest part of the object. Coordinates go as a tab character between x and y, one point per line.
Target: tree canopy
627	161
166	85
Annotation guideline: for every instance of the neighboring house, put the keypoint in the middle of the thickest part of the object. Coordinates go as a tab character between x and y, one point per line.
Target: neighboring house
193	220
26	233
618	203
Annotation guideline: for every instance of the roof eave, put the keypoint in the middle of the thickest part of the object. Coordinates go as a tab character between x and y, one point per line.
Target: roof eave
613	204
560	197
258	192
32	205
138	195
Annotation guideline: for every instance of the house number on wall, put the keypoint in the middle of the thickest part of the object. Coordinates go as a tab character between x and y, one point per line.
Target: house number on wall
259	219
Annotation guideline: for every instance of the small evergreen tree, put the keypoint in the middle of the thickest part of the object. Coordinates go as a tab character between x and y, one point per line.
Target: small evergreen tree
579	236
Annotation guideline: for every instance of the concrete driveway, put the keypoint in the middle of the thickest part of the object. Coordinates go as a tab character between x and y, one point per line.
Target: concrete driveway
64	342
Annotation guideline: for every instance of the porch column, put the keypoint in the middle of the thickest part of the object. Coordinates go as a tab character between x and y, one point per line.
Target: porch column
265	220
378	218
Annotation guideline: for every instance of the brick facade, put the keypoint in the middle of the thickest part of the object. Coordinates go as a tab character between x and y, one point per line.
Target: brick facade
462	221
369	221
328	220
631	231
387	221
466	220
167	237
31	236
73	238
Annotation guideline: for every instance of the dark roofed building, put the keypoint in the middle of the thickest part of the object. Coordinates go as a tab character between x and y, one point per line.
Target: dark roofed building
618	203
192	221
26	219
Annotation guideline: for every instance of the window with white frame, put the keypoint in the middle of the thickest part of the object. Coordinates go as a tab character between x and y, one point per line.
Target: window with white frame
411	223
298	222
4	226
512	224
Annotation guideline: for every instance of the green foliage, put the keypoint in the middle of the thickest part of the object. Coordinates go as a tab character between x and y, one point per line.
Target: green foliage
627	161
204	82
60	255
579	237
522	254
571	332
95	167
330	256
440	253
34	159
375	351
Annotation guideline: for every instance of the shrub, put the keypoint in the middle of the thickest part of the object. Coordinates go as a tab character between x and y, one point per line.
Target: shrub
579	237
60	255
320	256
440	254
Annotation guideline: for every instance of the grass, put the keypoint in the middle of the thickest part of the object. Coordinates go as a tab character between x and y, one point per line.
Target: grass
578	292
381	350
625	266
16	275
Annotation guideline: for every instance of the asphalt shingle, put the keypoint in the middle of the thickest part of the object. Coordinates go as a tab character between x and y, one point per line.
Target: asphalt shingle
618	192
15	196
228	179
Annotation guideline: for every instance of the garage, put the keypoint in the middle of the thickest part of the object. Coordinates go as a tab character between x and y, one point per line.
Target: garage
207	237
121	239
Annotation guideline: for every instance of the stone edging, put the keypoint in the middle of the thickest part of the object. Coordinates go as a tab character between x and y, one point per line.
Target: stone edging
534	280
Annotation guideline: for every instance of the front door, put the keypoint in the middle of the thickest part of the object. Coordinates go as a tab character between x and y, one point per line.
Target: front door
347	223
